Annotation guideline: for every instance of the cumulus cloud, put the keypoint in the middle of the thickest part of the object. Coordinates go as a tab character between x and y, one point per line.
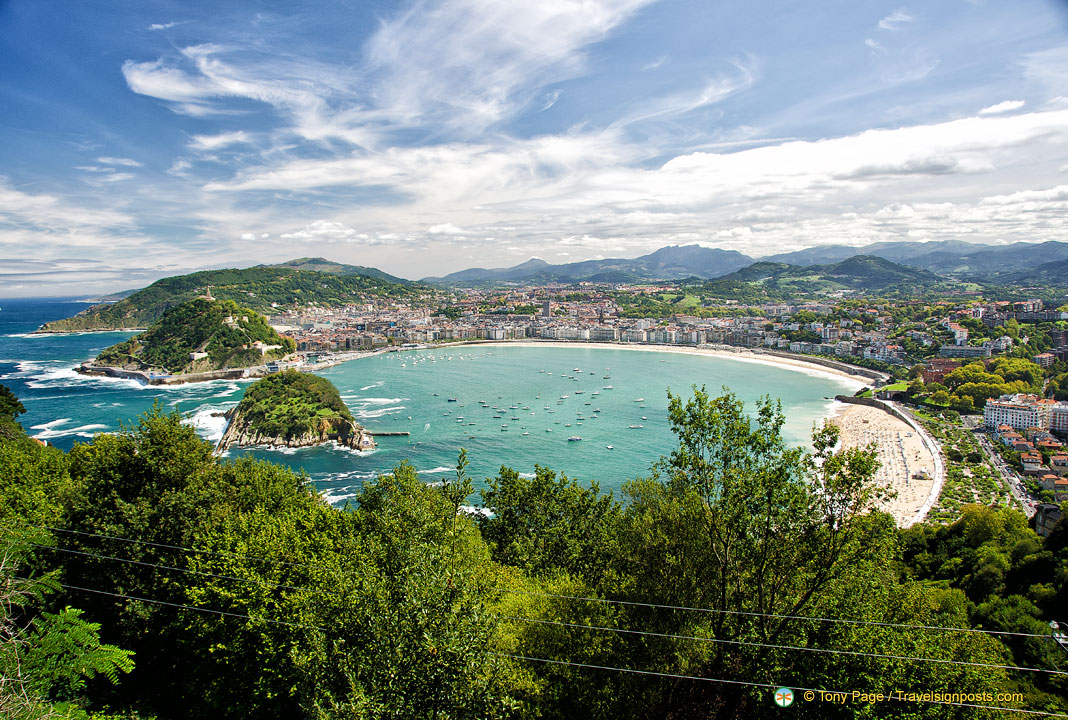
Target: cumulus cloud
332	231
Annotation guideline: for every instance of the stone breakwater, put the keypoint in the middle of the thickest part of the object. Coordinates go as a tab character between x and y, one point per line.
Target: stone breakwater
344	433
147	378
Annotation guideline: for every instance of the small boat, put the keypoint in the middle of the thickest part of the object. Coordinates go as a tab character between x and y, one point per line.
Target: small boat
548	429
609	447
644	418
635	427
451	400
639	400
605	377
564	397
576	370
607	387
596	392
435	394
574	438
578	392
541	371
525	432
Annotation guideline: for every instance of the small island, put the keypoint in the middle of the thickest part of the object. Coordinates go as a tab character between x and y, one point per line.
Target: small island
293	409
196	340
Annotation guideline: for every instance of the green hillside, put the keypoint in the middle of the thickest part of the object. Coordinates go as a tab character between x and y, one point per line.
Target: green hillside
221	328
258	288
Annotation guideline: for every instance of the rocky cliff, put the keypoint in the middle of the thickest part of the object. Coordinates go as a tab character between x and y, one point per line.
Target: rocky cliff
241	433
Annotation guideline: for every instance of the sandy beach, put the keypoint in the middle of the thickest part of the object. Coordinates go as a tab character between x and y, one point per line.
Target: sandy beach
902	455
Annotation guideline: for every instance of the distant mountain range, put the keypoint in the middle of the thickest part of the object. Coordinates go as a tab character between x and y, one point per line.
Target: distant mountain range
772	281
673	262
968	261
1013	263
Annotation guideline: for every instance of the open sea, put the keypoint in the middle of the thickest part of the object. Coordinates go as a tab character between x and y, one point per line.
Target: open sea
507	405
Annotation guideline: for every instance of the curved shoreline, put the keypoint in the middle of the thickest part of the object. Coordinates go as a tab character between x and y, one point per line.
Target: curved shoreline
800	364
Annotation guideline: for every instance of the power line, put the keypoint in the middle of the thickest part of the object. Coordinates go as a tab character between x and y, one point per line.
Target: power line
773	615
766	685
183	607
218	553
251	581
587	627
779	647
630	603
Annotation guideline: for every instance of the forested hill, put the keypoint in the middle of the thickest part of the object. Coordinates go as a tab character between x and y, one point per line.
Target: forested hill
258	288
222	329
294	409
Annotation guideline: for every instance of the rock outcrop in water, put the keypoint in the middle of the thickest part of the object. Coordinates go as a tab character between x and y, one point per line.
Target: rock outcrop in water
293	409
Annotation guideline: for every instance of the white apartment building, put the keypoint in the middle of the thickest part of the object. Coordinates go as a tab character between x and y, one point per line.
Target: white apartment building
1018	411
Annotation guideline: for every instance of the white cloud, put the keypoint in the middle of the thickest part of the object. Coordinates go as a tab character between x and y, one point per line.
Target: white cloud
50	213
470	62
127	162
446	229
1002	107
162	26
214	142
895	20
332	231
654	64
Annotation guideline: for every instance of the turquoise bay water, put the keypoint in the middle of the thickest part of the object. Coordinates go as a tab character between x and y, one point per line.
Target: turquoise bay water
530	390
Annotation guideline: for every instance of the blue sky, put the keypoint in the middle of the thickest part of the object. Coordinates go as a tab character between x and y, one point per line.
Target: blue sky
139	140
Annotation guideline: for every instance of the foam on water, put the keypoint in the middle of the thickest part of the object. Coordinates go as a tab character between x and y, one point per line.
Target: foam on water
380	383
207	425
49	431
367	414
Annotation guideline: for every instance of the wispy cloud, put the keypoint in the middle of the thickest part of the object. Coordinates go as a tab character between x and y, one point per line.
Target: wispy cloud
162	26
896	20
654	64
214	142
127	162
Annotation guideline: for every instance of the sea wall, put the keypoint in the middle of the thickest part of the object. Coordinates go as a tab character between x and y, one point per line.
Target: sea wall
834	364
147	379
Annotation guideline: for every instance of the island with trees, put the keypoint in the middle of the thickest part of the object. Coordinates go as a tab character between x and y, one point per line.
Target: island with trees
293	409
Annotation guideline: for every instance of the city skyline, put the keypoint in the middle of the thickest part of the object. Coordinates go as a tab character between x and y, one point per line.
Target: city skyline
425	138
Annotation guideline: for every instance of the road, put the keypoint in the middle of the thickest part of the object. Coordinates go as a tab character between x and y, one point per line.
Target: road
1010	476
